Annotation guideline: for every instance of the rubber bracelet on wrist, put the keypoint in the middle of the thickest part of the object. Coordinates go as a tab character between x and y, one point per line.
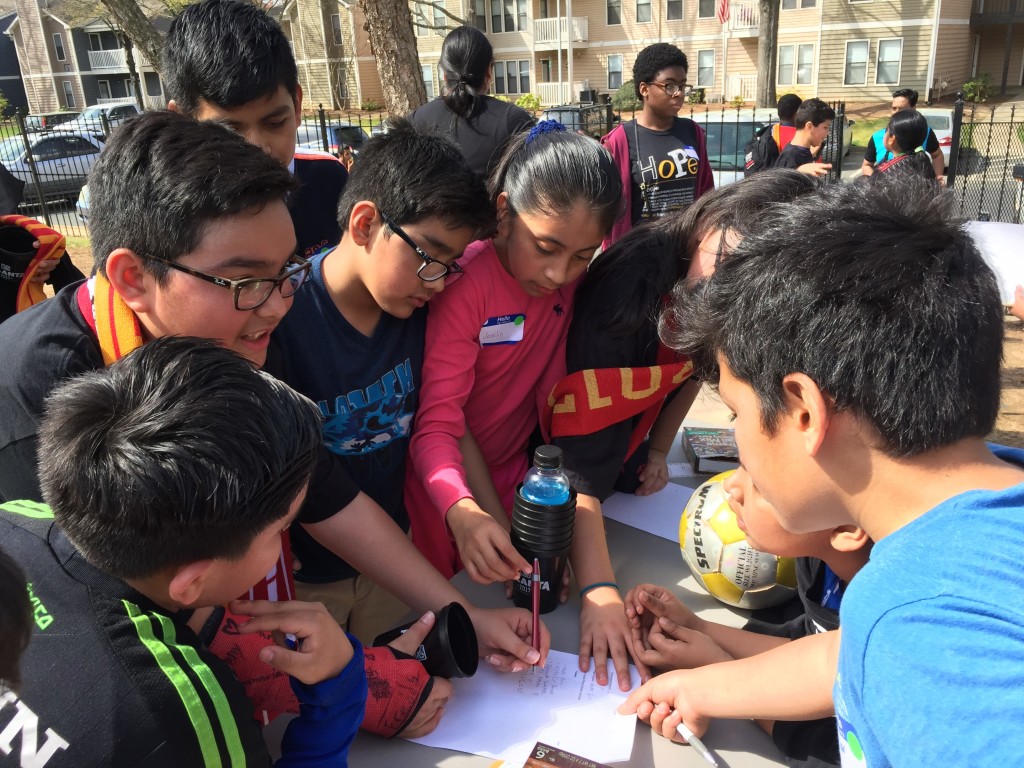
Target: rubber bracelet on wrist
597	585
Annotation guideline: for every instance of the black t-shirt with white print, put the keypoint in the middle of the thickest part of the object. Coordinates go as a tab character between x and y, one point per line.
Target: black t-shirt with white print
665	166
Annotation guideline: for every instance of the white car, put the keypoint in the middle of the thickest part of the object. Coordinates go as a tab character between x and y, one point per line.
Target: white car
91	119
728	131
941	123
61	160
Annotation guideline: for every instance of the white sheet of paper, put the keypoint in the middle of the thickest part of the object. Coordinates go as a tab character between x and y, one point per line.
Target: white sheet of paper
681	469
500	715
658	513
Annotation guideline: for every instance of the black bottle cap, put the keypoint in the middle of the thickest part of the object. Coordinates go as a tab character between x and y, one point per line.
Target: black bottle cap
547	457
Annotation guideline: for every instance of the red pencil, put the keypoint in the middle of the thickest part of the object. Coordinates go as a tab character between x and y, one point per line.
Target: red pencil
536	604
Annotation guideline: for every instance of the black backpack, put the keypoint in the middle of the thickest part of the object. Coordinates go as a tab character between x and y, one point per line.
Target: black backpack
761	152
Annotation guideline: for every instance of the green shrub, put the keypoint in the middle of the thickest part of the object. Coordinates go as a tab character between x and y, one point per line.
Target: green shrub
978	89
697	96
371	106
625	99
737	101
529	102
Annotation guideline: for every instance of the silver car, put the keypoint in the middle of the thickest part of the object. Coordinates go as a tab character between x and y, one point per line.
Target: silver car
61	160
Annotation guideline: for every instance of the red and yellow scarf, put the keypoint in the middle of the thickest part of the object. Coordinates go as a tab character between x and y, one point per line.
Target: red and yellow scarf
588	401
51	246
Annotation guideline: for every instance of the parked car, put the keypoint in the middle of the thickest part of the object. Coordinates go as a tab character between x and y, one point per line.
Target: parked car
729	130
82	205
44	122
941	123
592	119
61	159
339	135
91	119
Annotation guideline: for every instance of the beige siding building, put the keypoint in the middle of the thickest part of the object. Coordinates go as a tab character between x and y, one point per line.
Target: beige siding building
856	50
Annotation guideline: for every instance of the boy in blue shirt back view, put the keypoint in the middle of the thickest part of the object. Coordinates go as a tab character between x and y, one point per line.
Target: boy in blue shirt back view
871	407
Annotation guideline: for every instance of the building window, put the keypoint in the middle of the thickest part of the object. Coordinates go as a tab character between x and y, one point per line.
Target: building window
58	46
675	10
545	70
705	9
336	27
480	15
512	76
856	71
69	95
428	79
104	88
615	72
643	11
95	42
706	68
792	5
503	15
521	13
129	87
796	64
890	56
614	11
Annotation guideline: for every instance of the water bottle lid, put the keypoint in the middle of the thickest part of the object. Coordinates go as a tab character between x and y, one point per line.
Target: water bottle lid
547	457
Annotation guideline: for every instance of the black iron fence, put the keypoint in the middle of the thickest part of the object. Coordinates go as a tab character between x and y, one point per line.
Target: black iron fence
341	134
986	162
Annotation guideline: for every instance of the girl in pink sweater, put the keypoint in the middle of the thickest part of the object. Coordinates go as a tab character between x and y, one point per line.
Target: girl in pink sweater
495	346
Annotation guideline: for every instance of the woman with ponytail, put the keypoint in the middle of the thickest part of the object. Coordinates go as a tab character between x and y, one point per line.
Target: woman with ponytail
477	123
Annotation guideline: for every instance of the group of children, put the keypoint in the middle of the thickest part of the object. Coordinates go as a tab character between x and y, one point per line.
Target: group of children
331	404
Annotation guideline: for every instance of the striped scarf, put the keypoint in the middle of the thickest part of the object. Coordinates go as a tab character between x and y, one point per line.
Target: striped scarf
51	246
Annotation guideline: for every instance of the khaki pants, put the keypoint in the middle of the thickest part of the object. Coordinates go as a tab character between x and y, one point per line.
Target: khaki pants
358	605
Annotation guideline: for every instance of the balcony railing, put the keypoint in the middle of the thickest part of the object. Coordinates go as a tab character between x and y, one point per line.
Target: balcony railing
550	93
150	102
114	59
744	86
744	17
546	31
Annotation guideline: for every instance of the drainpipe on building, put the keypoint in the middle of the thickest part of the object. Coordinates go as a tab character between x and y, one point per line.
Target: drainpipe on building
931	58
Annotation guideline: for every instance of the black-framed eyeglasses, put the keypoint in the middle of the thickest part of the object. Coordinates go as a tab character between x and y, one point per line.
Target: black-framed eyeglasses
251	292
431	269
671	89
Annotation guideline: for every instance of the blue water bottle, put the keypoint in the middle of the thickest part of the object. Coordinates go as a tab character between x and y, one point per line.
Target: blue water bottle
546	483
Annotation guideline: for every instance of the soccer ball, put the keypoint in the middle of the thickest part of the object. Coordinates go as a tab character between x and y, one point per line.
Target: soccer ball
721	560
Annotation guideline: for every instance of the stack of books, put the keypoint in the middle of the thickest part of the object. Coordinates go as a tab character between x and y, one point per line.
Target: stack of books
711	449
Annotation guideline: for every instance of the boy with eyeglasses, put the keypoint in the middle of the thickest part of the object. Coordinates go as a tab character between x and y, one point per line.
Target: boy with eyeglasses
353	342
661	157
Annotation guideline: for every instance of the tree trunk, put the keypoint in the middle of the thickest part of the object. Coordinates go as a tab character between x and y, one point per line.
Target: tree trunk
133	21
767	52
393	45
133	70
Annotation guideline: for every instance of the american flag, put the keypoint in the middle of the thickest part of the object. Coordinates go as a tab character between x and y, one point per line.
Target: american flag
722	11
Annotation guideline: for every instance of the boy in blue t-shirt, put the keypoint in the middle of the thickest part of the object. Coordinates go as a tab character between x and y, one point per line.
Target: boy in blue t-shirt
668	635
353	342
871	408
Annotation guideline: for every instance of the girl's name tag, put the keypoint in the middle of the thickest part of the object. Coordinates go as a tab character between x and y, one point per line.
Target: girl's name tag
505	329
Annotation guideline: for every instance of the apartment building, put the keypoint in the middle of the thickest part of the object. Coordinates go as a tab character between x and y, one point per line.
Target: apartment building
66	66
856	50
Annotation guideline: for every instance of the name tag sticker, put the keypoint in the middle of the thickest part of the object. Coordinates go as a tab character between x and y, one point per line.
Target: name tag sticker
505	329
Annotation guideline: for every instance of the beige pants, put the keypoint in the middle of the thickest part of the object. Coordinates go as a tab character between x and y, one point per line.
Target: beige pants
358	605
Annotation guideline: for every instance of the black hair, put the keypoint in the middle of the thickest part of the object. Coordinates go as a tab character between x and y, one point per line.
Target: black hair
413	175
181	451
15	620
466	57
885	303
164	177
654	58
648	261
906	93
813	111
550	172
226	52
788	105
910	130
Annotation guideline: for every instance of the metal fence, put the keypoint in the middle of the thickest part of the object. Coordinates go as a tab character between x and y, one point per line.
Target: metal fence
986	162
338	133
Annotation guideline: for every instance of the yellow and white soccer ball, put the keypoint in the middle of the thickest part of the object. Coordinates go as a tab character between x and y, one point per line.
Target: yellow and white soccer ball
717	553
